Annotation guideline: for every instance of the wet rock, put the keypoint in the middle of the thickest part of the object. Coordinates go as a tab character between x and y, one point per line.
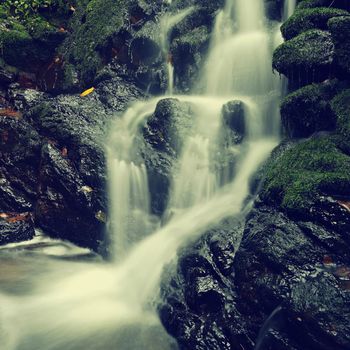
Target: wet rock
234	117
306	19
274	9
307	58
340	30
67	208
308	110
198	307
284	292
15	227
187	54
342	4
164	133
19	164
304	172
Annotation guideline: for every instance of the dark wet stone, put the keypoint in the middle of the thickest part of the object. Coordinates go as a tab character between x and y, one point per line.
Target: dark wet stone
234	117
164	135
16	227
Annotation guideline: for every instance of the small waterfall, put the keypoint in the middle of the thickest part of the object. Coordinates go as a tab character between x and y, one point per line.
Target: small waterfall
129	193
288	8
167	22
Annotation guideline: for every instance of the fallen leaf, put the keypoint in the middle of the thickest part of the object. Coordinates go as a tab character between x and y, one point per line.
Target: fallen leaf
3	216
345	205
18	217
72	8
87	92
9	112
64	152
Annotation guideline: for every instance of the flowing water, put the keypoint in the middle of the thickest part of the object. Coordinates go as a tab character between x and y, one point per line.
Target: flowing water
93	305
289	7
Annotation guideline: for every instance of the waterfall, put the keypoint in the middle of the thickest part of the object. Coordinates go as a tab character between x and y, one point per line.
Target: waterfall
129	194
288	9
167	22
113	305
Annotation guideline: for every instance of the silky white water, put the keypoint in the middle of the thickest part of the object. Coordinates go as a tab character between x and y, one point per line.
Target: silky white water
288	9
90	305
167	22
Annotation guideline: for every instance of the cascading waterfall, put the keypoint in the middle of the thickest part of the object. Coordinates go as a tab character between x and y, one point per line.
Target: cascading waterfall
166	24
288	9
112	305
130	212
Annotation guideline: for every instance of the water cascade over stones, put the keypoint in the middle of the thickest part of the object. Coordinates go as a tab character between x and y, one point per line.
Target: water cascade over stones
167	23
234	127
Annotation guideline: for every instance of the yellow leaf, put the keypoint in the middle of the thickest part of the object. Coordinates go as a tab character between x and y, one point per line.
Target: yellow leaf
87	92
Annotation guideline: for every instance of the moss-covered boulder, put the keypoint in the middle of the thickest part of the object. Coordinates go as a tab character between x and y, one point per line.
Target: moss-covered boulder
308	110
313	167
29	46
341	107
188	53
92	26
340	30
306	58
306	19
342	4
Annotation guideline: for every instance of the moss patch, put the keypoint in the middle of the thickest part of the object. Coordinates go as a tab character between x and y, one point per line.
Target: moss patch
341	107
93	25
306	19
316	166
340	30
308	109
307	57
343	4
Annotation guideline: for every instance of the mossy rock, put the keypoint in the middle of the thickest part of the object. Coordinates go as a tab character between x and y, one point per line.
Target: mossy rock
341	107
340	30
311	168
342	4
188	52
308	110
92	26
306	58
30	44
306	19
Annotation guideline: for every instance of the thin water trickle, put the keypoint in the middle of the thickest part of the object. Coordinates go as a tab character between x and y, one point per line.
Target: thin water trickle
103	306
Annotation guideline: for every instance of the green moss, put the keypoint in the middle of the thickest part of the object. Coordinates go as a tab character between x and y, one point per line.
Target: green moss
305	19
341	107
308	109
316	166
310	52
340	30
342	4
93	25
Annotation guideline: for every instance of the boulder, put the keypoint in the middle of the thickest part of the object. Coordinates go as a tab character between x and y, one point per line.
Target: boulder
306	19
340	30
164	134
311	168
308	110
233	115
16	227
187	54
342	4
307	58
